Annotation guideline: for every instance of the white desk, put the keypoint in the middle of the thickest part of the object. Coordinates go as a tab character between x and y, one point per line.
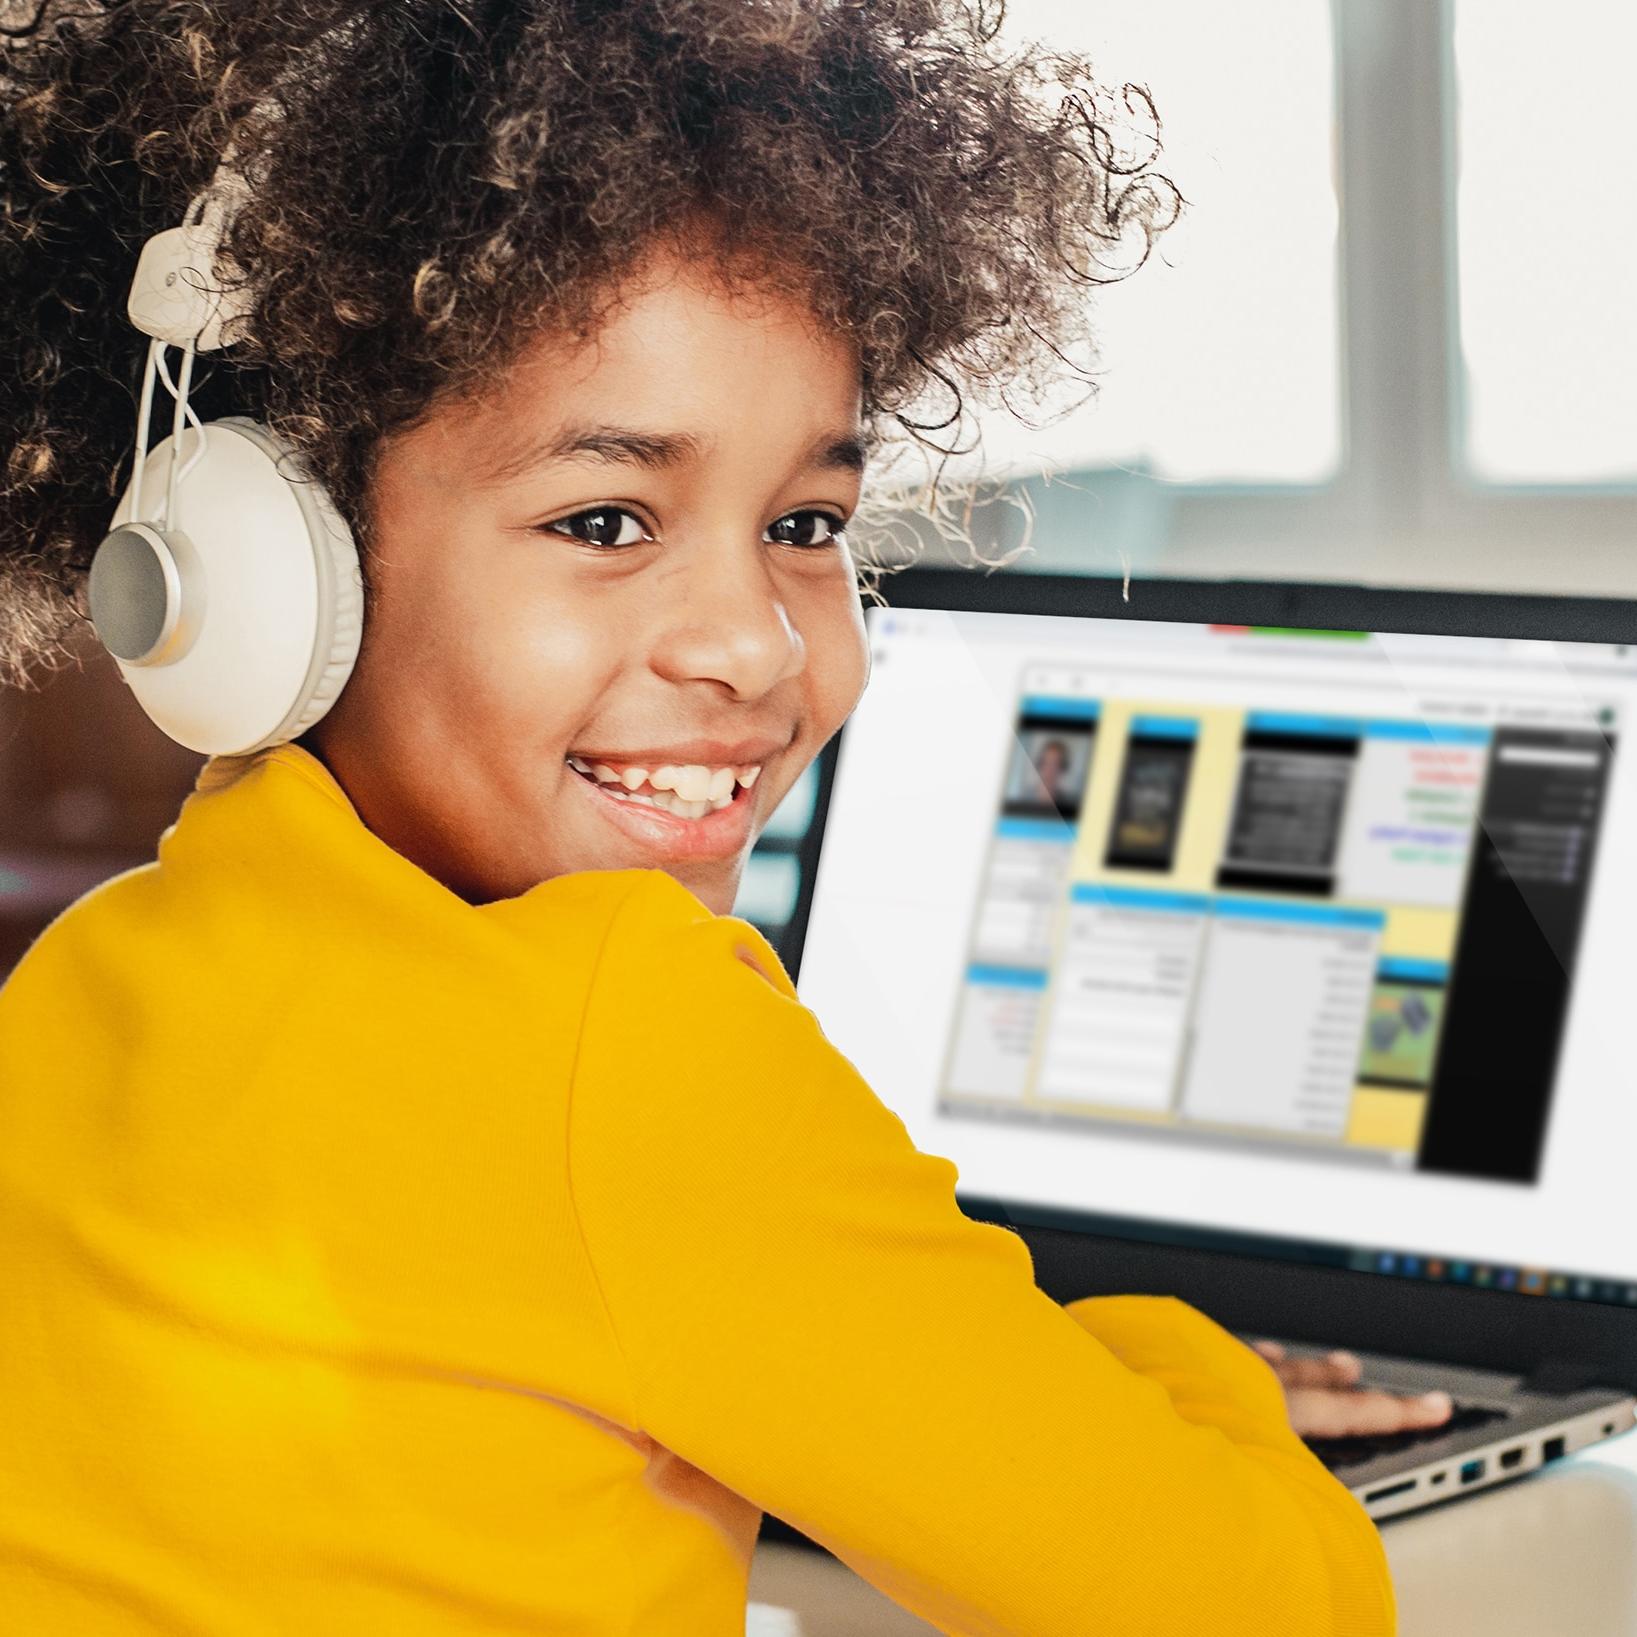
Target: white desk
1553	1555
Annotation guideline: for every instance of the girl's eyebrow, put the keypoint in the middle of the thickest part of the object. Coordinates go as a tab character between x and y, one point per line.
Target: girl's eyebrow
617	445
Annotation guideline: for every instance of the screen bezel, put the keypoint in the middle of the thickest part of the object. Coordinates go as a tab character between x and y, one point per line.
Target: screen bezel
1566	1340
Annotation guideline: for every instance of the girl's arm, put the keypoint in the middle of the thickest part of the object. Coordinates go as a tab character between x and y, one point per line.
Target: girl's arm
808	1316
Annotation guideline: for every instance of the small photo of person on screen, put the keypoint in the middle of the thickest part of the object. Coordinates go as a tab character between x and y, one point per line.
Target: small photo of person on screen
1048	774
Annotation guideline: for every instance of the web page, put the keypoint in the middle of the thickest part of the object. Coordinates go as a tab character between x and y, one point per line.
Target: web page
1305	934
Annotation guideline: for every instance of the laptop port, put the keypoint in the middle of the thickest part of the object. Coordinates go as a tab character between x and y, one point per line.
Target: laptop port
1437	1477
1511	1457
1551	1450
1472	1471
1391	1489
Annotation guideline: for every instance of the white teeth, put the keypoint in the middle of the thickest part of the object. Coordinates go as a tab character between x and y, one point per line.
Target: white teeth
693	783
673	803
690	791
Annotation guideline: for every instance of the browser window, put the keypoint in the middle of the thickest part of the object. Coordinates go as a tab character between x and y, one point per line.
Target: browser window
1302	933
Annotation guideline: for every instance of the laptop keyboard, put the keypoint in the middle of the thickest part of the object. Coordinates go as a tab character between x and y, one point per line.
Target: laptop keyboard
1337	1453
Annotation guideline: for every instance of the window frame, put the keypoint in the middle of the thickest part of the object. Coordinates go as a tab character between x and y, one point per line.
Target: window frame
1403	508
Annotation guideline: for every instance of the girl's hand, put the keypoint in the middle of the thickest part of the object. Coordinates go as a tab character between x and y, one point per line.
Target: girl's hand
1324	1399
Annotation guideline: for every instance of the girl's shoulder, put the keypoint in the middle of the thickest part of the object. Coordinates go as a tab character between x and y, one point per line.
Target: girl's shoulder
660	944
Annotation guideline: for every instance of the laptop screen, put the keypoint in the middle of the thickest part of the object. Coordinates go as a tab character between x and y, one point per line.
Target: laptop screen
1318	945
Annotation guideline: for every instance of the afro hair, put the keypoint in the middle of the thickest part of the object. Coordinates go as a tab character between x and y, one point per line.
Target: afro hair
432	182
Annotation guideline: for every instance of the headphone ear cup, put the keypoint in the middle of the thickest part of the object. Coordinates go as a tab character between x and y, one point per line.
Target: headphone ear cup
341	587
272	576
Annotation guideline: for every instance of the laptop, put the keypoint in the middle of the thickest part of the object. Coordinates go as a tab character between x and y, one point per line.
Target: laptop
1272	947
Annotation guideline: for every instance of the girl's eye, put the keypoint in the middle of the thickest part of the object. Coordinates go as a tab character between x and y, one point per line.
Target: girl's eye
798	529
606	526
610	527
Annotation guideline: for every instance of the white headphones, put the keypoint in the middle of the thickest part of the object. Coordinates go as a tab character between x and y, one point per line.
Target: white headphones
240	631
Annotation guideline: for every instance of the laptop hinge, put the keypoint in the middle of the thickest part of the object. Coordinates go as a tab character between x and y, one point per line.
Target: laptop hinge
1563	1374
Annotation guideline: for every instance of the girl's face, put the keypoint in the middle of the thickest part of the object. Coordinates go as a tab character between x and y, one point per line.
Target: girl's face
611	623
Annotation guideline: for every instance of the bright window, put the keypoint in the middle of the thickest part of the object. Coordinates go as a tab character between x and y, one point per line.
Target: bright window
1220	357
1547	223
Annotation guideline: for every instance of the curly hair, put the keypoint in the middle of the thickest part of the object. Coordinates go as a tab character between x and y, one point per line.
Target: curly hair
435	182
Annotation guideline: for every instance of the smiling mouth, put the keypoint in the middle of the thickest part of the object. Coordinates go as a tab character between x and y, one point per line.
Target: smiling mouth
686	792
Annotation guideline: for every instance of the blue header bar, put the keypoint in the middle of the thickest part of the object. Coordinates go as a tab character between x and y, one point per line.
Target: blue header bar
1006	977
1066	706
1198	903
1028	829
1164	727
1249	909
1438	733
1175	903
1311	727
1403	968
1357	727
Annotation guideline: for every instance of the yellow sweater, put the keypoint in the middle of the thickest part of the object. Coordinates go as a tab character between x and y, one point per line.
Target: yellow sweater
371	1263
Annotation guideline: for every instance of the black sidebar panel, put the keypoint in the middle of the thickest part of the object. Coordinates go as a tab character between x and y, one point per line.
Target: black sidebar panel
1509	999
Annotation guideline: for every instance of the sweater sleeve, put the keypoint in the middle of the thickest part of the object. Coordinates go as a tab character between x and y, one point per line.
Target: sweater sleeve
808	1316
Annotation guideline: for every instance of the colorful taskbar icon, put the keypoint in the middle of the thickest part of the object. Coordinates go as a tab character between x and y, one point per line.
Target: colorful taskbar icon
1525	1281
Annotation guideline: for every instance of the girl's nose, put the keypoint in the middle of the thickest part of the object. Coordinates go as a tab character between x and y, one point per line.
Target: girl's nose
727	623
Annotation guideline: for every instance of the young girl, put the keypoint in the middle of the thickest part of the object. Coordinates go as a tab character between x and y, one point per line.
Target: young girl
422	1208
